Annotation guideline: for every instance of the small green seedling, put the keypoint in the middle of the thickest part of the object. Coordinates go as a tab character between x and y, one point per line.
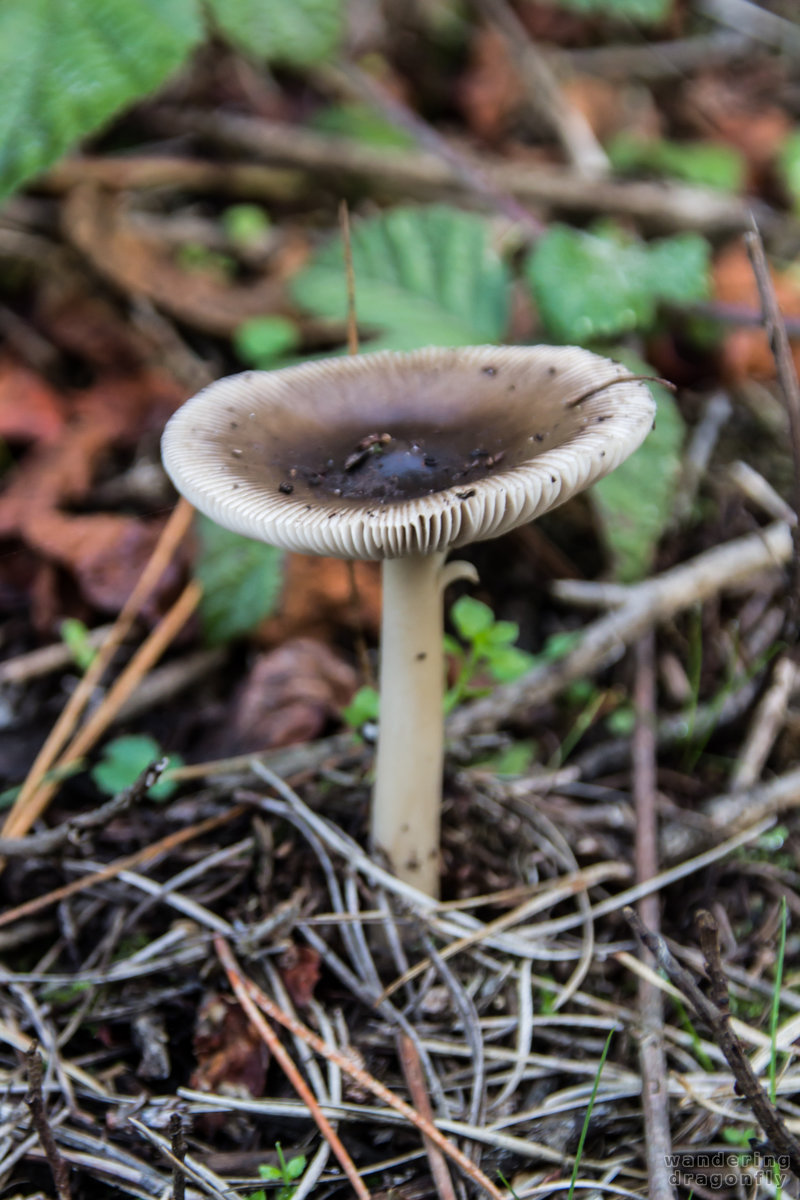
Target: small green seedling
490	650
582	1140
194	256
125	758
75	637
247	225
286	1173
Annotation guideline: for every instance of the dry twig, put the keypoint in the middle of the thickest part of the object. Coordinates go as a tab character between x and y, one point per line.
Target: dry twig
715	1013
35	1102
655	1101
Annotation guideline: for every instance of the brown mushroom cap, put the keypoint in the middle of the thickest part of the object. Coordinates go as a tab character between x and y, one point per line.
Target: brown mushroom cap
383	455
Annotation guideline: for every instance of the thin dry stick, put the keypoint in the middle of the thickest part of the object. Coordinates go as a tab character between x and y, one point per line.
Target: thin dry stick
569	885
35	1101
361	1077
655	1093
718	1019
766	724
178	1140
469	172
787	377
147	854
415	1079
17	821
350	277
145	657
243	994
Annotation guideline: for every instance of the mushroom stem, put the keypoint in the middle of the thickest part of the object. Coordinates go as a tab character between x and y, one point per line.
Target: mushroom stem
407	797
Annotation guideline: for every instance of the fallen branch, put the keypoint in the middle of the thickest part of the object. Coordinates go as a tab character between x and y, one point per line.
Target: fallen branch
425	176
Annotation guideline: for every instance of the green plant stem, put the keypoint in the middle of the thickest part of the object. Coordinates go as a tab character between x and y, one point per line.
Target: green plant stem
579	1153
776	1004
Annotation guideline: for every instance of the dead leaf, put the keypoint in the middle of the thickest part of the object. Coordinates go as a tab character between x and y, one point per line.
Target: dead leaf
30	410
289	696
95	222
300	971
490	91
106	553
746	352
611	107
317	600
739	109
231	1057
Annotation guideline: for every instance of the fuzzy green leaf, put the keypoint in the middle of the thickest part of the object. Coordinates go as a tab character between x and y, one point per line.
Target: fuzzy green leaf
241	580
289	31
424	276
590	286
633	504
67	67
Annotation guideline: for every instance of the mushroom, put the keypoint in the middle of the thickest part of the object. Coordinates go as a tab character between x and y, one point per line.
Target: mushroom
402	457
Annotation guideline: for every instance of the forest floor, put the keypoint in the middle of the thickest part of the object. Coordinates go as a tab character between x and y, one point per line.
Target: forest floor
210	986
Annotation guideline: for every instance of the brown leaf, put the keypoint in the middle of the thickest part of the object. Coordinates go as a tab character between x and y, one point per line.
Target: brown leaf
231	1057
300	971
739	108
30	410
95	221
289	696
490	91
317	599
114	411
106	553
746	352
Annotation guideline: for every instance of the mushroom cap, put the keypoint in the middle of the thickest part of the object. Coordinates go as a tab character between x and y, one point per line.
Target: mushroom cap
382	455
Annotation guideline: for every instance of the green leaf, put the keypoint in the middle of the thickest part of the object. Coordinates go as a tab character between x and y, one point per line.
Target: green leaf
246	224
508	663
471	617
123	761
502	633
424	276
515	759
590	286
363	707
295	1166
363	124
647	11
289	31
75	637
789	166
710	164
67	66
241	580
263	340
633	504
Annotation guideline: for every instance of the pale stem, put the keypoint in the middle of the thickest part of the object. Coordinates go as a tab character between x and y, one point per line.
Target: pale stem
406	804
